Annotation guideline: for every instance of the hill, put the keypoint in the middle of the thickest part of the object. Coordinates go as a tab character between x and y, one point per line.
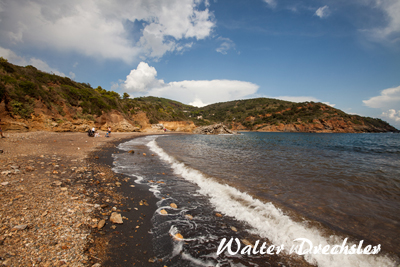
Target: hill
34	100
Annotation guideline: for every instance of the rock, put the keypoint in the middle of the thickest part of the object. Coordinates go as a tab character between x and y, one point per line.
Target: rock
246	242
189	216
96	265
101	224
4	183
118	184
131	151
218	214
178	236
163	212
144	154
213	129
234	228
19	227
173	205
116	218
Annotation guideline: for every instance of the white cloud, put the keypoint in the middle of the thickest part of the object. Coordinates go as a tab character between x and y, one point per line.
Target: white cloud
226	45
99	28
392	115
388	101
143	81
389	98
21	61
322	12
391	31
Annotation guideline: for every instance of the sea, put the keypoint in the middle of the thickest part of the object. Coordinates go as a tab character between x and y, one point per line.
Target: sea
281	189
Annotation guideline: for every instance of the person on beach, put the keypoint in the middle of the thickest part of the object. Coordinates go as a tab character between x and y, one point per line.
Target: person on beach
108	131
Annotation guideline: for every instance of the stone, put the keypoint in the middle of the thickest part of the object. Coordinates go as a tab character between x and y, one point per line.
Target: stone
101	224
234	228
178	236
218	214
96	265
173	205
131	151
116	218
118	184
189	216
163	212
4	183
19	227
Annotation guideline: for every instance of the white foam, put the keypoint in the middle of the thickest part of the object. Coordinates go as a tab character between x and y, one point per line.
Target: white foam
267	220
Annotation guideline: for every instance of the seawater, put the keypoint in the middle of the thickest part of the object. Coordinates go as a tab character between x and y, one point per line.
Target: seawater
275	186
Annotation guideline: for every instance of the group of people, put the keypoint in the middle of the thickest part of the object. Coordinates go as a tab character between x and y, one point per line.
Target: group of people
93	133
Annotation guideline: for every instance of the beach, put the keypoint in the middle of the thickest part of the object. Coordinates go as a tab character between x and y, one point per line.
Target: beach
55	191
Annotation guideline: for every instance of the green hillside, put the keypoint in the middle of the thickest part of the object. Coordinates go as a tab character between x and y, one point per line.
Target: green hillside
22	88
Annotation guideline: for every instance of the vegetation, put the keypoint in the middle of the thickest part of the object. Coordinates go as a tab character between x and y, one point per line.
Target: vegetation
23	87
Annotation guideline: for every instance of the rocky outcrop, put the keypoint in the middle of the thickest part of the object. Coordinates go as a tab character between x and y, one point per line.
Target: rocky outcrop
213	129
321	126
179	126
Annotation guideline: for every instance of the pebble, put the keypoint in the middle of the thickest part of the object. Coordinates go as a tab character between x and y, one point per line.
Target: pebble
116	218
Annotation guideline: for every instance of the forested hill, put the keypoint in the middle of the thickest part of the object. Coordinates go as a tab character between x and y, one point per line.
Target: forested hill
34	100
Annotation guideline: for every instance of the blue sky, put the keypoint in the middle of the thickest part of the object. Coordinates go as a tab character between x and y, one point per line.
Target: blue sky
345	53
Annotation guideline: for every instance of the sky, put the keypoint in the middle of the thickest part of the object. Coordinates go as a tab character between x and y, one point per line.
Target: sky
343	53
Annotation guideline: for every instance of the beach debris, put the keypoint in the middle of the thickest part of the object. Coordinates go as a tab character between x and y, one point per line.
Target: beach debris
116	218
173	205
218	214
163	212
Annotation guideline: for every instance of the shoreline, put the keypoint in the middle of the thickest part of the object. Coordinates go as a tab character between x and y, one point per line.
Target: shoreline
129	243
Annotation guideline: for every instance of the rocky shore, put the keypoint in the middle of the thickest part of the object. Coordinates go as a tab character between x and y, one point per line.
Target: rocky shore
57	201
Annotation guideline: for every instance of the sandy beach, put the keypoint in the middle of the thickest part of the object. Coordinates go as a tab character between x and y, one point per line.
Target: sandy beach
58	192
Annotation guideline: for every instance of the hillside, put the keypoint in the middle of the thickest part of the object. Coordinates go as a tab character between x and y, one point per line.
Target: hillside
34	100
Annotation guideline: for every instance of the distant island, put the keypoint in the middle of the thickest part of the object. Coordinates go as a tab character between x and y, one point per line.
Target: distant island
33	100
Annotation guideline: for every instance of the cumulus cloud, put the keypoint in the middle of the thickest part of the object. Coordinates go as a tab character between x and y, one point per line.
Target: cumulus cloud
322	12
37	63
389	98
120	29
143	81
391	31
392	114
389	102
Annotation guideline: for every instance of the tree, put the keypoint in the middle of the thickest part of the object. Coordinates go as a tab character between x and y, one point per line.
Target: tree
125	96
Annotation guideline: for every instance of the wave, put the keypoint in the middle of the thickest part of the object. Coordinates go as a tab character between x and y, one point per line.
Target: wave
266	220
